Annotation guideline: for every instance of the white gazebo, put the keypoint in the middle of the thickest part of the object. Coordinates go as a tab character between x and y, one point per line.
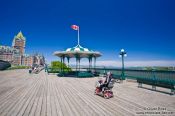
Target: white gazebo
78	52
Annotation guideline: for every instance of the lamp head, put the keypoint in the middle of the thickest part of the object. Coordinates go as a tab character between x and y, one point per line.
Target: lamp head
122	50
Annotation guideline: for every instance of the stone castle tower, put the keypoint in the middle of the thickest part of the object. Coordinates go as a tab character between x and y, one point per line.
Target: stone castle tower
19	42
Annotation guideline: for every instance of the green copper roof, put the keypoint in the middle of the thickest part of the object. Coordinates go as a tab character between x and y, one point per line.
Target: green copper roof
19	36
77	51
78	48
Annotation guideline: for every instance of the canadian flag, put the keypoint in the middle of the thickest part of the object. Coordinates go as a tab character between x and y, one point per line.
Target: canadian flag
75	27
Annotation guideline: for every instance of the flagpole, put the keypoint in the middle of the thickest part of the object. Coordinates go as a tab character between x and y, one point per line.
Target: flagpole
78	37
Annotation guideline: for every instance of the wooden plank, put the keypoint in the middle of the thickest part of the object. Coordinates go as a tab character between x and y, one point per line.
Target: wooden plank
56	97
52	98
80	106
32	100
22	100
41	97
41	94
11	100
23	104
10	107
9	93
49	112
44	101
63	104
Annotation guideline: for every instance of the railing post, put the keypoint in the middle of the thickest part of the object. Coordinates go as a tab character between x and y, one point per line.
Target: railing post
123	73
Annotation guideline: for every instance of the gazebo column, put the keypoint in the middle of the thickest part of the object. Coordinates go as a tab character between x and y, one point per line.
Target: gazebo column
63	62
95	62
77	56
90	62
76	62
68	61
79	63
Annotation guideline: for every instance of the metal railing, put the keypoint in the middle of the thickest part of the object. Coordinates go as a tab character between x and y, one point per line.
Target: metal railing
128	73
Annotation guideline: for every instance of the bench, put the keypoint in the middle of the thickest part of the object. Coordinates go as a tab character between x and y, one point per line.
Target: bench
165	83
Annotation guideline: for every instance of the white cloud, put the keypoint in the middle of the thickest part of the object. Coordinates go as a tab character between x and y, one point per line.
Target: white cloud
131	63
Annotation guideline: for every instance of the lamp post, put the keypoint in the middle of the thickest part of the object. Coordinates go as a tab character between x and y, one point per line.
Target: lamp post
122	54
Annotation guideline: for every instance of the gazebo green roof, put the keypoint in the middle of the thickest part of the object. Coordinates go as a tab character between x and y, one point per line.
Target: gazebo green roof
78	48
77	51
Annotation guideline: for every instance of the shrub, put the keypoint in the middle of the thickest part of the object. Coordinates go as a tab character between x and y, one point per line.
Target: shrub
56	65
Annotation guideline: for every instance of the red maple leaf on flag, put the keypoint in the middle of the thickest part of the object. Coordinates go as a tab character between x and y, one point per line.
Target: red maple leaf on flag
75	27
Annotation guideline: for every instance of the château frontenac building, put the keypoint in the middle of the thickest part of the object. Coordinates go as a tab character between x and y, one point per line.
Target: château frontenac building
16	54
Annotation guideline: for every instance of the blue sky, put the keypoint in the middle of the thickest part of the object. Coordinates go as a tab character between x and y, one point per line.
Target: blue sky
144	28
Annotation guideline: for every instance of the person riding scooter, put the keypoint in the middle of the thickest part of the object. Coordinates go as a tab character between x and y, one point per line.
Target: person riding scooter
107	80
104	88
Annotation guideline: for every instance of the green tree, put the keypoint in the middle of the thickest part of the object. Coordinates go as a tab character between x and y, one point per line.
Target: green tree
58	64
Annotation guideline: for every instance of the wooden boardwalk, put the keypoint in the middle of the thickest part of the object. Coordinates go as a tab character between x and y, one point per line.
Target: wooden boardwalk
23	94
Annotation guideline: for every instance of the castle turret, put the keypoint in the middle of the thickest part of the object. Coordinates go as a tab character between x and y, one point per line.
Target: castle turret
19	43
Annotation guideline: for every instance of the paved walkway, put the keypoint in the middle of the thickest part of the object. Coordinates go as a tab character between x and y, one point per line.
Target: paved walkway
41	94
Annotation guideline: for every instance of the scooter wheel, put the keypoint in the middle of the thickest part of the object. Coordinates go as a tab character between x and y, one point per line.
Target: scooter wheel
112	95
106	96
95	92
